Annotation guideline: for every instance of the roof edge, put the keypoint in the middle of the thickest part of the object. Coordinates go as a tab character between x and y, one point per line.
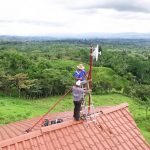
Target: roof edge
114	108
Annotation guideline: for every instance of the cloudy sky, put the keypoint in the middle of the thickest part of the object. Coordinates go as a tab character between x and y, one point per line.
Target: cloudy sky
47	17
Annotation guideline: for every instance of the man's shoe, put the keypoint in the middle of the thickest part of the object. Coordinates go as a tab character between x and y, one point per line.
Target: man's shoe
83	117
76	119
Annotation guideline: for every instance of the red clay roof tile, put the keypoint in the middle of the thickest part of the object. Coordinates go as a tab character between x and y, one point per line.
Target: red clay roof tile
114	129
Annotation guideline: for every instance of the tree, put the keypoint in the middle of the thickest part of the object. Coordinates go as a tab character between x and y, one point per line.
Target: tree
21	82
143	93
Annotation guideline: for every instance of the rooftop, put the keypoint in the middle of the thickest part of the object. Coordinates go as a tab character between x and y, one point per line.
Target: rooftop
114	129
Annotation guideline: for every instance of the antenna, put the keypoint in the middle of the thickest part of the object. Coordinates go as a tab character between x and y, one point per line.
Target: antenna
93	54
96	52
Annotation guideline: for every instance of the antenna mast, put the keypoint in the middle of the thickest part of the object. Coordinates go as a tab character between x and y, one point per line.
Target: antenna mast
93	54
90	76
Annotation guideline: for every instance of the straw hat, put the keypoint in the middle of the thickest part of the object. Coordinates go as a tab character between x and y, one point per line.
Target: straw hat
80	66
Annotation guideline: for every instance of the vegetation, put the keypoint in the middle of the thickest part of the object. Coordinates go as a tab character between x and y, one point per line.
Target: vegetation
13	109
31	70
37	69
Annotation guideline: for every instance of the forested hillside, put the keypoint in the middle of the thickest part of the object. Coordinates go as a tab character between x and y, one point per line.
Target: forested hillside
37	69
40	68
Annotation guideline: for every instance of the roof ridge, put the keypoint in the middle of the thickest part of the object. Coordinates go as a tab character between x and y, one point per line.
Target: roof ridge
114	108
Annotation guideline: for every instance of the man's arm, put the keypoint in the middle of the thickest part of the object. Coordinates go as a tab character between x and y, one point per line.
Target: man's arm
85	90
88	91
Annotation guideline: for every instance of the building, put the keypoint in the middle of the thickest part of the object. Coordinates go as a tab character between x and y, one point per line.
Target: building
114	129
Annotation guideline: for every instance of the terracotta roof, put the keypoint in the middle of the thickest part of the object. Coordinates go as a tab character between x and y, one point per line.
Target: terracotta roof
114	129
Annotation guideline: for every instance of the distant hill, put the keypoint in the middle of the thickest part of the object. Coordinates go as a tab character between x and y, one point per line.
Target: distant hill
113	35
91	35
26	38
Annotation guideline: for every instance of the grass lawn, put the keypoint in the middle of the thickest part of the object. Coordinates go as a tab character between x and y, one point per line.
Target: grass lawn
13	109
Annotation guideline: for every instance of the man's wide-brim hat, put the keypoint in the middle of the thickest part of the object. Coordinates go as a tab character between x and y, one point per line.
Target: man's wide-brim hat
80	66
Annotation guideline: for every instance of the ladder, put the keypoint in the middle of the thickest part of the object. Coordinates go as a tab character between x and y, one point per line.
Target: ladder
85	114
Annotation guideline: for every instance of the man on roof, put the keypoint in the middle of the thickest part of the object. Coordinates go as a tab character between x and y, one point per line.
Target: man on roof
78	93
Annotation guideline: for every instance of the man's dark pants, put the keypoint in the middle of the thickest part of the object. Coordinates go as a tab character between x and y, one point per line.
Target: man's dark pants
77	108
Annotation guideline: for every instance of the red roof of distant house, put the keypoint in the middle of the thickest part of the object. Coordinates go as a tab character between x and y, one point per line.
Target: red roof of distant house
115	130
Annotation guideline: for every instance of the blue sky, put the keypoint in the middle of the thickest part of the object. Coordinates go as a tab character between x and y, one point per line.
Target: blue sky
49	17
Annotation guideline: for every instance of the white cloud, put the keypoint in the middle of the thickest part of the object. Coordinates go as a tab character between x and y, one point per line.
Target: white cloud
119	5
43	17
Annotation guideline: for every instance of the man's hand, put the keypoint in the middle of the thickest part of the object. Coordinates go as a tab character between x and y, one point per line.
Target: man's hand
88	91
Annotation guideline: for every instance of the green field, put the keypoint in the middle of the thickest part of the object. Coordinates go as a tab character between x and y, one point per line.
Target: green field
13	109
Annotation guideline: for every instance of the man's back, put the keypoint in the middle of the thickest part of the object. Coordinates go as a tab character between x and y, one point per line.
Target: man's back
77	93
